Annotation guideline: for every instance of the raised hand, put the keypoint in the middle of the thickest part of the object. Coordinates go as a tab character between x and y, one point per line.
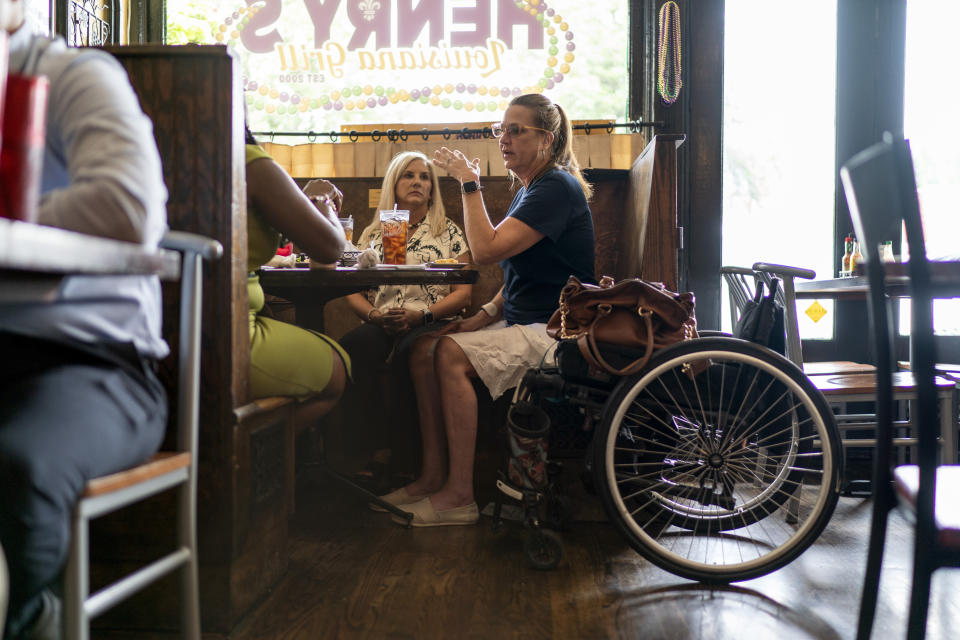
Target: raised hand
320	189
456	164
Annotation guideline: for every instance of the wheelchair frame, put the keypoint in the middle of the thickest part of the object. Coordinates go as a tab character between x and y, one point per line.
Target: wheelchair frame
719	476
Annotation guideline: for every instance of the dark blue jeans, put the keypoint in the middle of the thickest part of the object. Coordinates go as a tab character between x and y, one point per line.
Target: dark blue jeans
67	414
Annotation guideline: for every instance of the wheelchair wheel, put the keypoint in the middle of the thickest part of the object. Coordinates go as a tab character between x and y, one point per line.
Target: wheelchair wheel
721	476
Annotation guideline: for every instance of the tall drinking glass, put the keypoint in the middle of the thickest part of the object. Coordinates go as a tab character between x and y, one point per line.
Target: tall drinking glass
394	224
347	224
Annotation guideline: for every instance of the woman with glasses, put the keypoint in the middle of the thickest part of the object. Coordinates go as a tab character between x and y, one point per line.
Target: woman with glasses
546	236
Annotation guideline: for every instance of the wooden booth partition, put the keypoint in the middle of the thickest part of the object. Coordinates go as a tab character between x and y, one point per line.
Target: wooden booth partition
651	237
245	463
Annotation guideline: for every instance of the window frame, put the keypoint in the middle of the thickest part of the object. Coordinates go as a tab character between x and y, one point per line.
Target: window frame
869	100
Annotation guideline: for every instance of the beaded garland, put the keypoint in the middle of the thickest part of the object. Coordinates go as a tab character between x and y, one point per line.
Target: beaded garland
669	66
262	97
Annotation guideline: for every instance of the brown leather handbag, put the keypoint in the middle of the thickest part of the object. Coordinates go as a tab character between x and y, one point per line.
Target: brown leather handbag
632	313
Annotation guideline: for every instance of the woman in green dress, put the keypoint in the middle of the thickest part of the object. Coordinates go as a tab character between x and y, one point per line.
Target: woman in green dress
287	360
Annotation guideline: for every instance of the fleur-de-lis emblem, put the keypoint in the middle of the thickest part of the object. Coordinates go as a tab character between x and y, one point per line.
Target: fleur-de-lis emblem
369	9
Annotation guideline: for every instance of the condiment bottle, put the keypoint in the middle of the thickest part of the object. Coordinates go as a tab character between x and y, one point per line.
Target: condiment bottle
886	252
847	253
856	259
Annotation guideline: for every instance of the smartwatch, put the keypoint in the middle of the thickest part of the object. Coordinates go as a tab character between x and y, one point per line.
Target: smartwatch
427	317
471	186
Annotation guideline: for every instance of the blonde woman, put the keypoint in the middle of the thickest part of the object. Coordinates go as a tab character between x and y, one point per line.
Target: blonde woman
395	315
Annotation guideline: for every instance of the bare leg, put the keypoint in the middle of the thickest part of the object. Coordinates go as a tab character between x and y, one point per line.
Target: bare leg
434	468
459	401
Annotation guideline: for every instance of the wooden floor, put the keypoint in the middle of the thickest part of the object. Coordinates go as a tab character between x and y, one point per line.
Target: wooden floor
355	574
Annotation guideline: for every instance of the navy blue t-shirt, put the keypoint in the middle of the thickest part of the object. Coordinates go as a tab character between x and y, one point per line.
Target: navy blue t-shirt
555	206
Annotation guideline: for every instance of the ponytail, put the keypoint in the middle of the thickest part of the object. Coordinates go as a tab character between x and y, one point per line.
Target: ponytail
551	117
563	155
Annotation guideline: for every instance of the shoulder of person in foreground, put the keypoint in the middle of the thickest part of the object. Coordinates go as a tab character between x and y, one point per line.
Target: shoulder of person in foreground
113	185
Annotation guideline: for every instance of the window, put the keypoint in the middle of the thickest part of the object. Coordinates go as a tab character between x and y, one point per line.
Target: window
778	141
38	13
315	66
930	123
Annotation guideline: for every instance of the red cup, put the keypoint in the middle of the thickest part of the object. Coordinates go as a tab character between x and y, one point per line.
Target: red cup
21	157
3	75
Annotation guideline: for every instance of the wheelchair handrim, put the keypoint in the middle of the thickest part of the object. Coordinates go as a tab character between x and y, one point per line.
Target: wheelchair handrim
779	375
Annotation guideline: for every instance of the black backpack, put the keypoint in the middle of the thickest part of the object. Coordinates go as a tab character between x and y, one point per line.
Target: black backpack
762	320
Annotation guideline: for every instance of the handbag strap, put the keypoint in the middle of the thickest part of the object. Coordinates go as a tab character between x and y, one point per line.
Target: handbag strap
587	344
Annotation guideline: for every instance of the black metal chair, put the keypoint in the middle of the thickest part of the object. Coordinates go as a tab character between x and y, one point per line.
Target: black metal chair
4	588
881	191
742	283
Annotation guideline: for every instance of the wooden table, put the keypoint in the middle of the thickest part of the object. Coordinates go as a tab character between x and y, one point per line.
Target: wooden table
311	289
945	276
35	258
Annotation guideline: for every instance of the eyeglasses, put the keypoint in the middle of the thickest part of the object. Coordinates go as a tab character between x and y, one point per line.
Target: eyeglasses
498	129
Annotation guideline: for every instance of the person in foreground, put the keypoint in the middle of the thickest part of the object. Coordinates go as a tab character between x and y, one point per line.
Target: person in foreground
396	315
79	396
546	236
287	360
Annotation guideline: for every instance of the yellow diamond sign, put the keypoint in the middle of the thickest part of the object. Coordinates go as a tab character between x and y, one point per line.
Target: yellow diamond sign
816	311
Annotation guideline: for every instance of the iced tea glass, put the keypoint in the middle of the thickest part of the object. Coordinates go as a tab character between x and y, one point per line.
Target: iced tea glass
347	224
394	225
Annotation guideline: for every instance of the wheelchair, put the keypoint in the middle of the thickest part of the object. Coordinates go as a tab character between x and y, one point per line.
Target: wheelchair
718	461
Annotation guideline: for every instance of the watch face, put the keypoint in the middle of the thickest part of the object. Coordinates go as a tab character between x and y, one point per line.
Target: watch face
470	187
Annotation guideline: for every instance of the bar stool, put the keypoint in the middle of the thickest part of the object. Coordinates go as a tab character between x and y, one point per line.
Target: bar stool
164	471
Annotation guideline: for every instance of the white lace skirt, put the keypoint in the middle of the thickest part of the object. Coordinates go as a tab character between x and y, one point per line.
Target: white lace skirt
501	354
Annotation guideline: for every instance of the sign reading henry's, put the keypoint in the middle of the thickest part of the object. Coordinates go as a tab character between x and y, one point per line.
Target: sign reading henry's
307	62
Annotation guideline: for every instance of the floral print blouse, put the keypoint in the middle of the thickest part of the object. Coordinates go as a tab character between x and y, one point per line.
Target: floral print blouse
422	247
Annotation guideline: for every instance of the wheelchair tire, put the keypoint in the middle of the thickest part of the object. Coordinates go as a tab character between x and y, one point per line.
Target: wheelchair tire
543	549
723	476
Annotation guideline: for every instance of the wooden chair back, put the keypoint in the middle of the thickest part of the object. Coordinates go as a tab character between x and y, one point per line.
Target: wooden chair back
881	191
